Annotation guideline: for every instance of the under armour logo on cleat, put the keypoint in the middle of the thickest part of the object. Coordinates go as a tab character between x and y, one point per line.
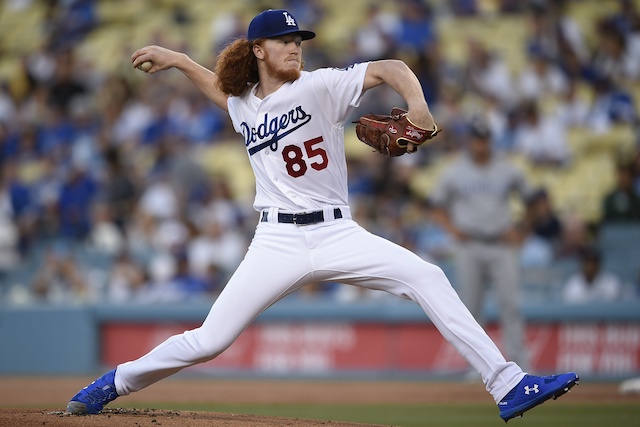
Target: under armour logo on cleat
528	389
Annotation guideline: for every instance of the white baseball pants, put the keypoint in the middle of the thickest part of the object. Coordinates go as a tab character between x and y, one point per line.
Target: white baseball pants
285	257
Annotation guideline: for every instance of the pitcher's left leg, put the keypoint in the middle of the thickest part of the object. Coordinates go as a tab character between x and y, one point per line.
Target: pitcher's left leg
352	255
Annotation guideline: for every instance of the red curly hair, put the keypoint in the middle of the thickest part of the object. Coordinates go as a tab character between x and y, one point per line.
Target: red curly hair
237	67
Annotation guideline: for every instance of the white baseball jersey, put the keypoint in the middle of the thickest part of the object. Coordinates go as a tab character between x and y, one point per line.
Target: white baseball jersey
295	138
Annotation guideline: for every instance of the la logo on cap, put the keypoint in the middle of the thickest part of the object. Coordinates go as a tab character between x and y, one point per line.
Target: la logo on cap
289	19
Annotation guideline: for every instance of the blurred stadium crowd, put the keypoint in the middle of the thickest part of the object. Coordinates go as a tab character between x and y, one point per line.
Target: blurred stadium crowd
121	186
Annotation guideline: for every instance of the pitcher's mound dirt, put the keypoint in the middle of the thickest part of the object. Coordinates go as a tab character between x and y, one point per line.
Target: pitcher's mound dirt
117	417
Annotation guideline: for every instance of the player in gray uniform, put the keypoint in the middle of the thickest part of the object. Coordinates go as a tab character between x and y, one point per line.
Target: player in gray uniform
471	202
292	123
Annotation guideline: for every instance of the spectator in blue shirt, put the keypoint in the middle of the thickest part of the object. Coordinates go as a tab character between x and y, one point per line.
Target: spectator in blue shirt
74	204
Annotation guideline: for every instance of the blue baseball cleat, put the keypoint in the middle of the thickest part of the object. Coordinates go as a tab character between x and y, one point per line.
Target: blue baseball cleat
92	398
532	391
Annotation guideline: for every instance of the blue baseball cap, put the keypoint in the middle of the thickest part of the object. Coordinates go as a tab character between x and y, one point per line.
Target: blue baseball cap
273	23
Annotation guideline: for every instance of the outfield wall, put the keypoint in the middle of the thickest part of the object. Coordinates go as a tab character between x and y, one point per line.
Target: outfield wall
315	338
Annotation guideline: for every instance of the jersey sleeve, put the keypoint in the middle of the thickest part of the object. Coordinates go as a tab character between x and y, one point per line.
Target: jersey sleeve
232	108
339	90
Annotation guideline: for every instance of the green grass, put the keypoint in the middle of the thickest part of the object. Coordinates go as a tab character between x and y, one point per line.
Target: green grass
464	415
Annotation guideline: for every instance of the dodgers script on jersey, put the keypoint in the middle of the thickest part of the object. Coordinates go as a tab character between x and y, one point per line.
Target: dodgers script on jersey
297	133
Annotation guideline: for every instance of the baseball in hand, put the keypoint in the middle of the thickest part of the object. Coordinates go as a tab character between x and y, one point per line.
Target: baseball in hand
145	66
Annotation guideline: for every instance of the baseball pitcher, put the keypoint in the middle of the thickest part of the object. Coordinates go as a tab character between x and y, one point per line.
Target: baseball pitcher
292	124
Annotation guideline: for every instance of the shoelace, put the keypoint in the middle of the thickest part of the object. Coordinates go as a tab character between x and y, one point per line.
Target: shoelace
101	395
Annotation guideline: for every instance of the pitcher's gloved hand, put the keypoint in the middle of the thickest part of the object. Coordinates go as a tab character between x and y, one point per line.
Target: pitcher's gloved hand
393	135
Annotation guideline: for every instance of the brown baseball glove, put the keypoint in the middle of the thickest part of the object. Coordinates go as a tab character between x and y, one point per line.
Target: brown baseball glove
390	135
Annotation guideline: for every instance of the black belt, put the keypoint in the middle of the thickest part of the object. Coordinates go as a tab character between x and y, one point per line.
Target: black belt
306	218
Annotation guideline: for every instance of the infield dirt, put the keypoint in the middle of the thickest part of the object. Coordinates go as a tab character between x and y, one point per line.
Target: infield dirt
41	401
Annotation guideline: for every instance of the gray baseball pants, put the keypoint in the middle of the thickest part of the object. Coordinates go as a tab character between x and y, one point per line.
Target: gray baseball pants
479	264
